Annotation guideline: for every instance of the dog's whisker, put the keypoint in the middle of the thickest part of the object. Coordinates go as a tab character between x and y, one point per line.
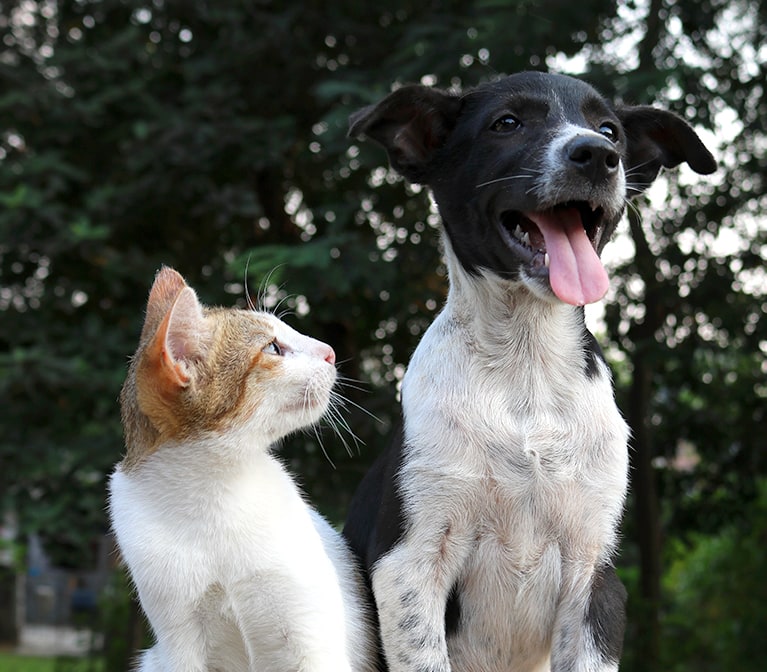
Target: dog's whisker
637	187
502	179
634	168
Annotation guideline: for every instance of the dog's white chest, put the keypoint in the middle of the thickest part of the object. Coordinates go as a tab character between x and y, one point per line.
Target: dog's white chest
522	464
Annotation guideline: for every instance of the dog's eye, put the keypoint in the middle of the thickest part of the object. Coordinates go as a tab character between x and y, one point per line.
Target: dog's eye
273	349
610	131
508	122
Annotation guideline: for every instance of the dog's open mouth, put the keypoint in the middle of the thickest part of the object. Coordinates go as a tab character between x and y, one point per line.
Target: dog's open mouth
563	239
524	229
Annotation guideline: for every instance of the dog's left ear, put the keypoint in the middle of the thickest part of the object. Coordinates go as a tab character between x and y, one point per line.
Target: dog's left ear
412	124
658	138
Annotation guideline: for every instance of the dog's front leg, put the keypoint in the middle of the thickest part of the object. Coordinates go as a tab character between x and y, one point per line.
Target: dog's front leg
411	584
588	633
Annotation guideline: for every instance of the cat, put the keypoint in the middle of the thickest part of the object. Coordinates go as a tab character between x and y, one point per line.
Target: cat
235	572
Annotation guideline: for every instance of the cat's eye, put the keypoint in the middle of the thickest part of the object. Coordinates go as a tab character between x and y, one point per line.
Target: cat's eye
273	349
506	123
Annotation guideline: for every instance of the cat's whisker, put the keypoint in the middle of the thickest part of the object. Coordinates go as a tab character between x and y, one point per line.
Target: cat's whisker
282	313
318	436
246	287
263	288
352	384
335	415
341	437
339	425
285	313
310	398
346	400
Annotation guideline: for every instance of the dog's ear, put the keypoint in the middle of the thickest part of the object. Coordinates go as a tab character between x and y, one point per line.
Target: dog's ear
658	138
411	123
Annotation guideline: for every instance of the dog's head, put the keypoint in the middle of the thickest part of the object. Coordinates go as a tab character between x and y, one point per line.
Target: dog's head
531	173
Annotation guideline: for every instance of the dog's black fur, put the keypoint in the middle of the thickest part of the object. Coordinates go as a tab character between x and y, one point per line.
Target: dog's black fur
488	527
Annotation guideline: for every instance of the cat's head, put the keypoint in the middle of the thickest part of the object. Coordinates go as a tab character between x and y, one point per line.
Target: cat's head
201	373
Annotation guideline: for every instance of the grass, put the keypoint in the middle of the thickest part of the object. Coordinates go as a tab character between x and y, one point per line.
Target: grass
13	663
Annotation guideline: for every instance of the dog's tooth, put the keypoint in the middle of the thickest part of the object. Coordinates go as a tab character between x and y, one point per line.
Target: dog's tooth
526	239
546	259
518	232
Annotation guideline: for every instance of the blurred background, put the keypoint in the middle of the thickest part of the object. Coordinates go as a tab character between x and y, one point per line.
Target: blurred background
211	136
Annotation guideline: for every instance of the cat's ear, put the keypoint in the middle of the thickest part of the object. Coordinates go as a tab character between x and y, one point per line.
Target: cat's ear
167	285
181	339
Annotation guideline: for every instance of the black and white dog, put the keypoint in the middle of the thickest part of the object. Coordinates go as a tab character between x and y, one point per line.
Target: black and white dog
489	526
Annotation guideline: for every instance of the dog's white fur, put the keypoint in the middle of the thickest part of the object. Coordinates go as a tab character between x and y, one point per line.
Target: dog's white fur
526	523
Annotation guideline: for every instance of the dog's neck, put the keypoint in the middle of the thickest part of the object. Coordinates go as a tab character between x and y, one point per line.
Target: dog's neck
505	315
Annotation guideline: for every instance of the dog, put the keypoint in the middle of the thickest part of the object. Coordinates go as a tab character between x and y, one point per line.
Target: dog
489	526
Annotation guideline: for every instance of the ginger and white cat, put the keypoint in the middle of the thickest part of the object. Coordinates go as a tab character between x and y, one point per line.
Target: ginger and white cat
234	570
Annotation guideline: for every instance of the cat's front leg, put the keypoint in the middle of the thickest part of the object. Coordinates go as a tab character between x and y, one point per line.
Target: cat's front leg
411	584
167	656
173	611
288	625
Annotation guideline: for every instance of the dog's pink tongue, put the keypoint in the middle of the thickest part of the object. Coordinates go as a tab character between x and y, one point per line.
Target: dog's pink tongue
575	271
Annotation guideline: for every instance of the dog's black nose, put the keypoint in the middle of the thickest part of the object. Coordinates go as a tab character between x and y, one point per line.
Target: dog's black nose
594	157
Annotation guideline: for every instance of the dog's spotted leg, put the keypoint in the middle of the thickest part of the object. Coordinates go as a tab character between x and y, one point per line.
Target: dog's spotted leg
590	640
411	584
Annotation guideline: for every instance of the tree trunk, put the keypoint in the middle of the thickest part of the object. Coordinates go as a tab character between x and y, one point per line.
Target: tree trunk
646	502
646	515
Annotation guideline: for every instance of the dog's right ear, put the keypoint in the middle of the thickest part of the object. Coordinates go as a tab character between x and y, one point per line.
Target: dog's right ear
660	139
412	124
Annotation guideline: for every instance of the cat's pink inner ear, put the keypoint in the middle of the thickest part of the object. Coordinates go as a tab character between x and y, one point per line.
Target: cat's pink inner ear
184	335
167	285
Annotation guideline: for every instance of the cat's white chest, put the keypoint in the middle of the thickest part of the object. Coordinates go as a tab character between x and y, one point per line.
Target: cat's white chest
231	566
216	527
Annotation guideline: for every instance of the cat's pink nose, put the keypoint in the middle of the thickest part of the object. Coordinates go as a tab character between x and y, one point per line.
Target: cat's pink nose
330	355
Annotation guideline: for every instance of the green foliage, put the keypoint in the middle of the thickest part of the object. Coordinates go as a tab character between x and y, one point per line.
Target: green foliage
716	619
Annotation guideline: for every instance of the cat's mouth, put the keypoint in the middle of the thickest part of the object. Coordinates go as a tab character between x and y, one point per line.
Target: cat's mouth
561	242
314	397
310	404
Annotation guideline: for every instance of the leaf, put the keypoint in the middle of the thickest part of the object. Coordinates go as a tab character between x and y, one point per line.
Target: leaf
21	197
83	230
